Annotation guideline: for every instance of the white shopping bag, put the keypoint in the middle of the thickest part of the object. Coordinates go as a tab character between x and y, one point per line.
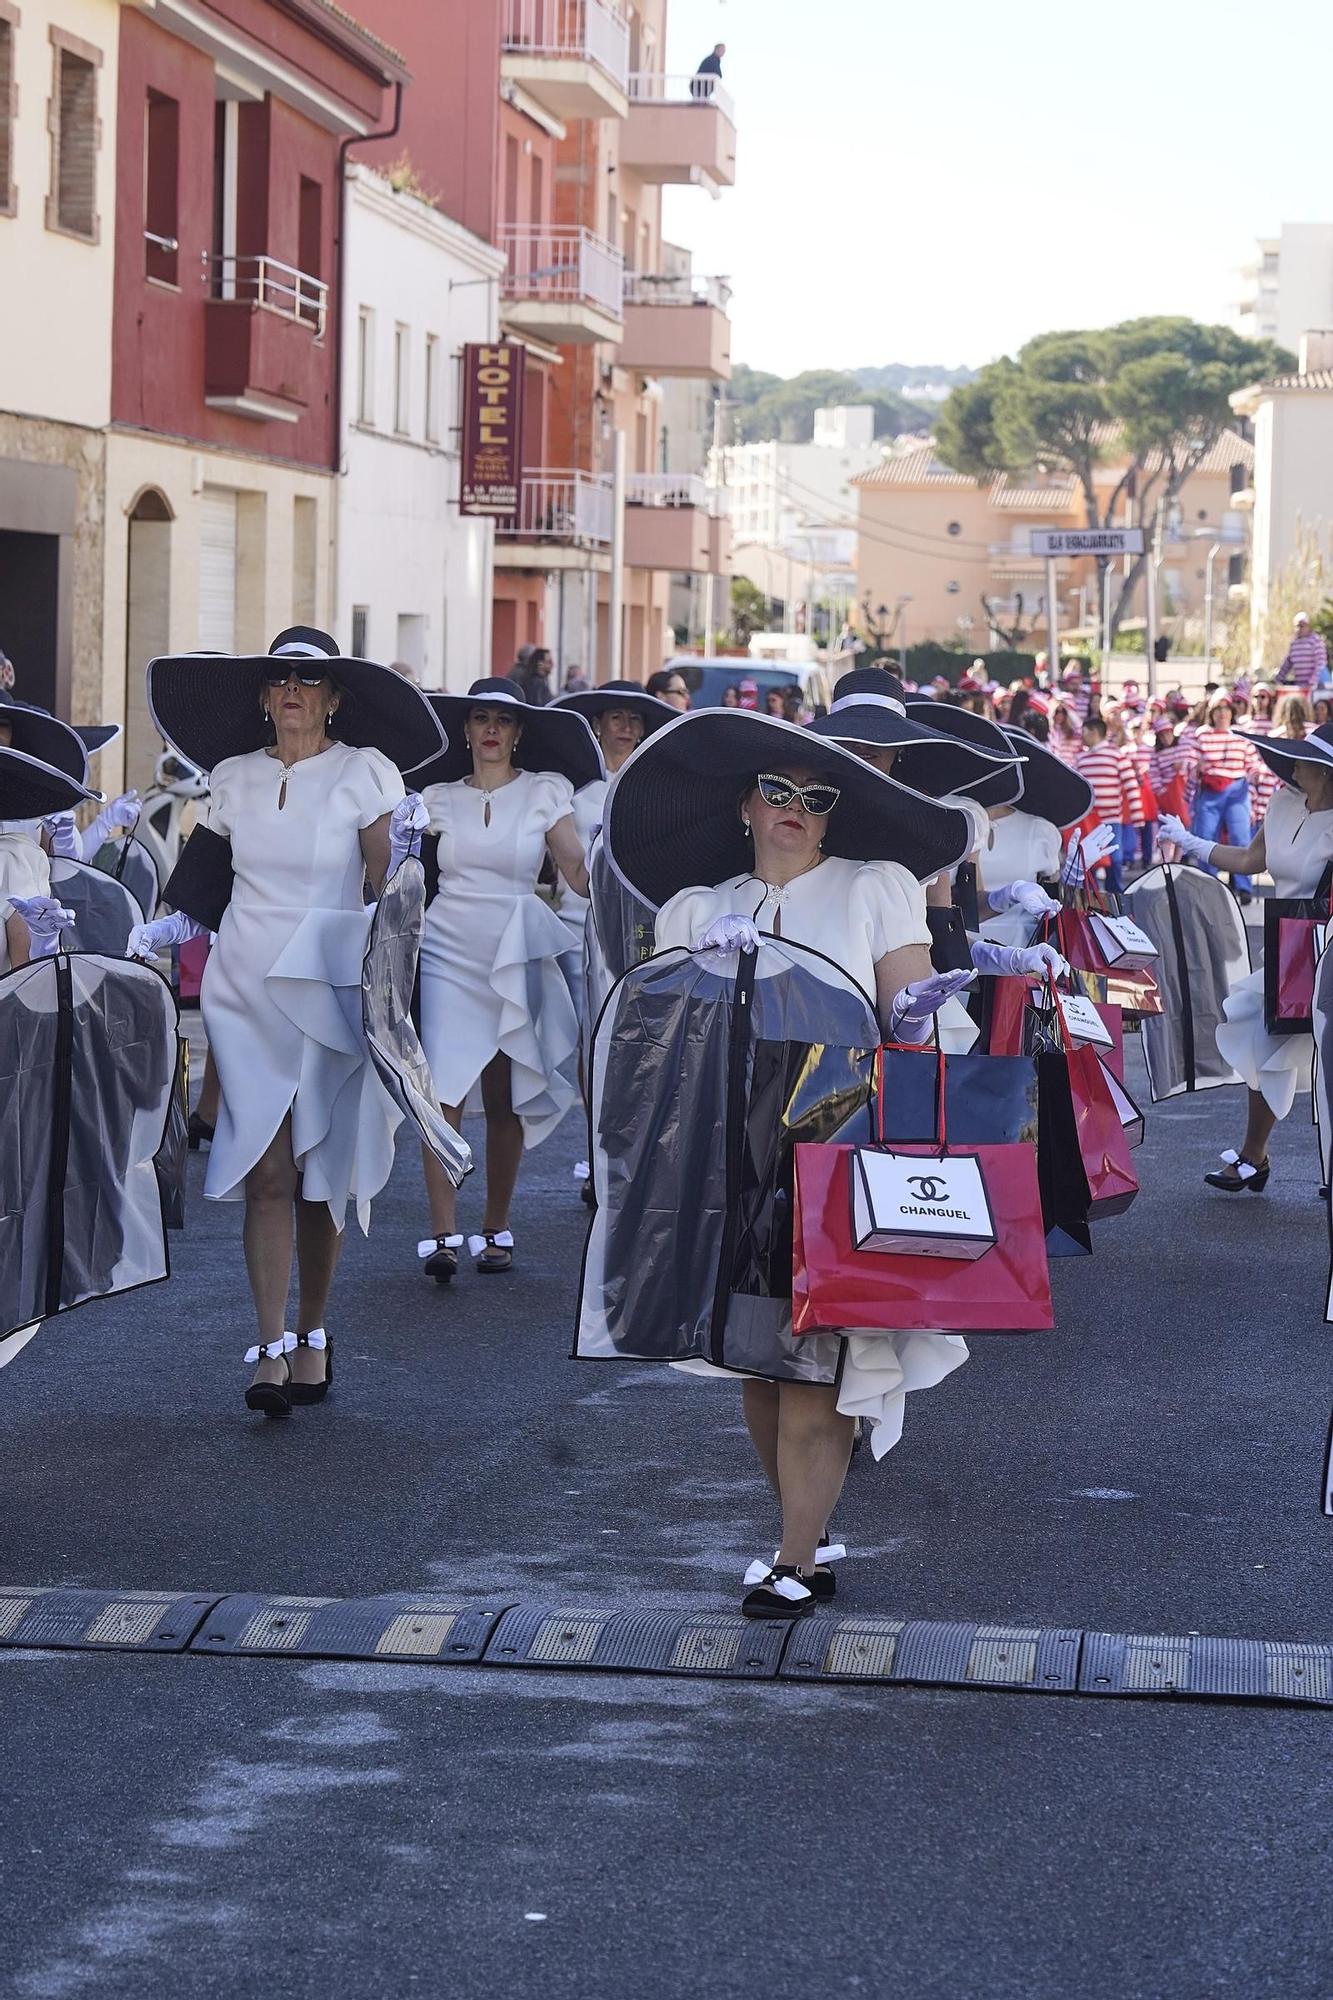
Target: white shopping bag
1131	1118
1081	1019
1121	943
927	1207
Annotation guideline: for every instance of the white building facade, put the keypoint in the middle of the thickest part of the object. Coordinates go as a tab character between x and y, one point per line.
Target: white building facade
413	576
778	493
1287	286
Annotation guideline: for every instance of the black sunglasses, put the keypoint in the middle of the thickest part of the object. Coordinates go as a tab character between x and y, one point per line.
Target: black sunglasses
278	676
817	800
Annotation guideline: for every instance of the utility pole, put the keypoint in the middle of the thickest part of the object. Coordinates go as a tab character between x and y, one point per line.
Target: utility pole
1052	622
1150	603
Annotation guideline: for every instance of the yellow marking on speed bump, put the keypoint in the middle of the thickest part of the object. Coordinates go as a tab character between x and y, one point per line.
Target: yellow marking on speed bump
280	1625
568	1642
1157	1663
1302	1672
700	1646
863	1646
126	1622
417	1632
1001	1653
13	1610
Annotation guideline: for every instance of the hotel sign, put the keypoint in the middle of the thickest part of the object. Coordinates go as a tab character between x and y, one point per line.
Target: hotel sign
492	428
1086	541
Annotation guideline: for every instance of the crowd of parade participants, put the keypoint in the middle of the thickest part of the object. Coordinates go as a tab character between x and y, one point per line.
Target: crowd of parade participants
841	997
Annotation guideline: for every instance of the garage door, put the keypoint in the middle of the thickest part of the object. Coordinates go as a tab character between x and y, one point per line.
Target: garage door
217	570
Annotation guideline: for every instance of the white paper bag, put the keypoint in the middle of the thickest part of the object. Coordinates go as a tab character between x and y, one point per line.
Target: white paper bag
1122	943
926	1207
1083	1021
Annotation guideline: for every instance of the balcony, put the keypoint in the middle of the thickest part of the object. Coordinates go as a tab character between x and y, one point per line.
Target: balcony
667	521
562	284
681	131
264	354
563	521
572	56
677	326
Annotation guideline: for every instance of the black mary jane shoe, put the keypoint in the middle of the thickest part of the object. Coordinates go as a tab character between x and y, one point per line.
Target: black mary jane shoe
780	1592
197	1131
273	1399
439	1257
492	1252
313	1392
821	1581
1239	1175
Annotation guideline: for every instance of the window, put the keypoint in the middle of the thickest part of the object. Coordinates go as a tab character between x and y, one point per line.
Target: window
310	252
537	197
432	417
365	366
76	135
360	630
161	179
402	386
8	107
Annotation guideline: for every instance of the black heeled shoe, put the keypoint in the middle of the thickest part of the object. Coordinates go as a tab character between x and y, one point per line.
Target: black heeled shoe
821	1581
274	1399
439	1257
1244	1177
492	1252
197	1131
780	1592
313	1392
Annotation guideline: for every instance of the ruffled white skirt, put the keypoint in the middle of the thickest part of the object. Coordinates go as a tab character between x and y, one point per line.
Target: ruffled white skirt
1277	1066
491	985
281	1004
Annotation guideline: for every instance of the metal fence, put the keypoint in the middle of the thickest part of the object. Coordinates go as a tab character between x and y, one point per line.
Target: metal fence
592	29
563	506
683	288
566	264
655	86
267	282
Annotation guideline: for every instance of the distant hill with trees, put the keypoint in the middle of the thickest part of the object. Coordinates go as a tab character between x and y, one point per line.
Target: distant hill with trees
761	405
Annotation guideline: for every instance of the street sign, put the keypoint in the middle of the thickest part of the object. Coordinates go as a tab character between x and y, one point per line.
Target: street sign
492	470
1086	541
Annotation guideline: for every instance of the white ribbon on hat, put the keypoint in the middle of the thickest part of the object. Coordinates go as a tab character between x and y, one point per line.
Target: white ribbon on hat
300	649
868	701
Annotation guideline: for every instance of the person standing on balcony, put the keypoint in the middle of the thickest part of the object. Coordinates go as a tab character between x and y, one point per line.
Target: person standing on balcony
702	84
1306	665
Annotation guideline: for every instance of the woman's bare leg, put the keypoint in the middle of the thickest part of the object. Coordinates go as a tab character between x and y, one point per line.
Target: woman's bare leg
270	1195
440	1190
760	1402
814	1451
318	1247
504	1143
209	1092
1258	1129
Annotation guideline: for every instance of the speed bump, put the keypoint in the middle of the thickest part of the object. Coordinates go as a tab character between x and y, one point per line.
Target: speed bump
1123	1663
427	1627
933	1653
721	1644
154	1621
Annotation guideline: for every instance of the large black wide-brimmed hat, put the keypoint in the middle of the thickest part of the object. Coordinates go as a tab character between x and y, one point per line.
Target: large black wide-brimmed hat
592	702
553	738
1051	790
39	734
1002	784
95	736
29	789
206	705
1283	753
673	812
870	707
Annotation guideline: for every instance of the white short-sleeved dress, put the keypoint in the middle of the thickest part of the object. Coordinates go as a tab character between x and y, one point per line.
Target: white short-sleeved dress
853	912
1019	847
490	976
1298	846
281	994
25	870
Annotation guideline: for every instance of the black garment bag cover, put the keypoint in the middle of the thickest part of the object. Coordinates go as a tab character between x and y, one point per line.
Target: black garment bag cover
708	1068
388	977
201	882
105	912
88	1053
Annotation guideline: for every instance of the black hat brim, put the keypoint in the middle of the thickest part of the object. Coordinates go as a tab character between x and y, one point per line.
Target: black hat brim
29	788
47	739
95	736
673	812
206	705
1051	790
927	760
592	702
552	739
1282	753
1000	786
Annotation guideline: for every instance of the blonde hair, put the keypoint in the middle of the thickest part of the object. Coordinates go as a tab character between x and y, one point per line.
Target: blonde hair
1294	717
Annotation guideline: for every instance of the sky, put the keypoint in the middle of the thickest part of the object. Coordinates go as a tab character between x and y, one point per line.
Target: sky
938	182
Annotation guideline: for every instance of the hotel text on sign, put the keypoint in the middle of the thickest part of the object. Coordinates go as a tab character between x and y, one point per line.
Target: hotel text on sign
492	428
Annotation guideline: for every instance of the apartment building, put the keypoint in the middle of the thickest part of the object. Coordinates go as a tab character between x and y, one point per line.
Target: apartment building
954	552
1287	284
58	130
1291	417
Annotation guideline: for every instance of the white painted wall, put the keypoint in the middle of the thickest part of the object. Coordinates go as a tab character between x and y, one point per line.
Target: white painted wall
777	490
1293	491
420	570
55	327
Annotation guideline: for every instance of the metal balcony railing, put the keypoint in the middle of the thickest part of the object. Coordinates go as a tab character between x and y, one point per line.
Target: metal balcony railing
566	265
666	288
665	489
563	506
655	86
277	287
592	30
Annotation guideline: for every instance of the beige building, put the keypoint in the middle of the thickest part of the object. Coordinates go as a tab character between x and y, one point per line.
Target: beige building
58	80
1292	419
953	555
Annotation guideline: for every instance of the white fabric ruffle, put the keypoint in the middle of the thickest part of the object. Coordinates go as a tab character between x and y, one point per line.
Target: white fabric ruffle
1277	1066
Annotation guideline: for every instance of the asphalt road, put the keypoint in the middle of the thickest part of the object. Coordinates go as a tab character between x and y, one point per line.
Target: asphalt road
230	1827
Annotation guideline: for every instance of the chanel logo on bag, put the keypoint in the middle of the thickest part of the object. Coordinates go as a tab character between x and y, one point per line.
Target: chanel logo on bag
928	1187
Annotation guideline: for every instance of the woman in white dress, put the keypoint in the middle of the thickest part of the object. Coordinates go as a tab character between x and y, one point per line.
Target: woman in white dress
816	832
1295	846
495	1007
306	809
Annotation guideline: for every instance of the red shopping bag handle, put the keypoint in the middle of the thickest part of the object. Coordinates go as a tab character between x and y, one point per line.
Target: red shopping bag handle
913	1048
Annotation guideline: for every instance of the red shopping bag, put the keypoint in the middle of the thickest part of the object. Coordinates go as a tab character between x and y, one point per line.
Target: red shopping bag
1134	990
192	957
1295	969
1102	1140
835	1285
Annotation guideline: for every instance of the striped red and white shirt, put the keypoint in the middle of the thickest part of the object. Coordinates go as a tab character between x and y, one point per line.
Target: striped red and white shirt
1115	785
1175	761
1222	754
1307	657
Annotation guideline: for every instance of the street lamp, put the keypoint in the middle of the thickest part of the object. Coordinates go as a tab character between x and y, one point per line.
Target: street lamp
902	604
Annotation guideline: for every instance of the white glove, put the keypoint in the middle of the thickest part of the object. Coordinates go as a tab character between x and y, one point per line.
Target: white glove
915	1006
1192	845
1027	896
407	822
45	918
729	933
147	940
63	835
122	813
1010	960
1083	855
